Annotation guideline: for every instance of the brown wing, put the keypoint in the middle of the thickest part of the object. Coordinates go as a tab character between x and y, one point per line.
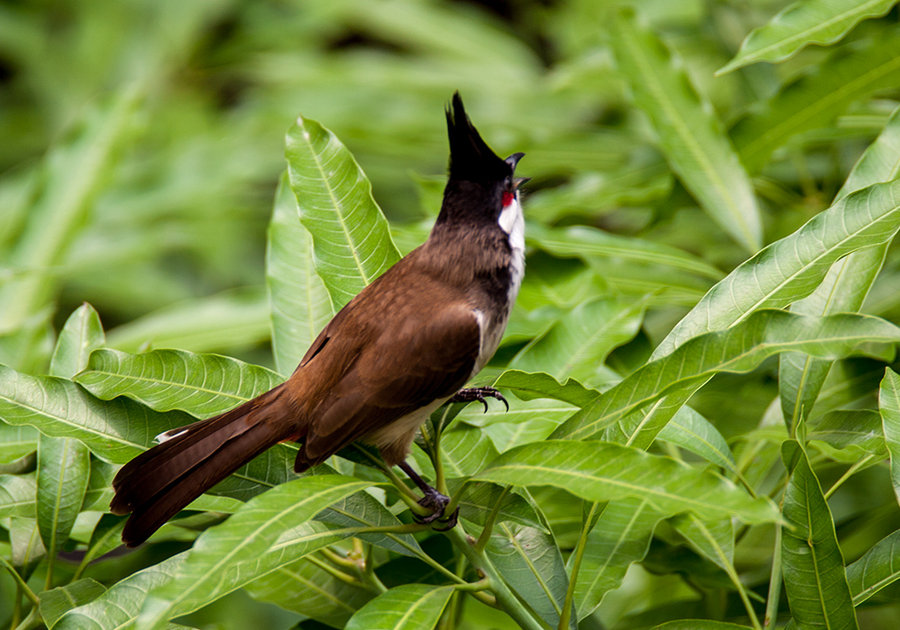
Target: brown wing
422	348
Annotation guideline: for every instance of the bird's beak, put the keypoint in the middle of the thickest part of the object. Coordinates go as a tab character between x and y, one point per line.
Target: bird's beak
513	159
518	181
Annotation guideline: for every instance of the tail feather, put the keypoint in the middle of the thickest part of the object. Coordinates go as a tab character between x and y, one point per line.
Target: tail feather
160	482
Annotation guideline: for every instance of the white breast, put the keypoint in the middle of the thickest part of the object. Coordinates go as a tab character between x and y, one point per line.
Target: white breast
512	222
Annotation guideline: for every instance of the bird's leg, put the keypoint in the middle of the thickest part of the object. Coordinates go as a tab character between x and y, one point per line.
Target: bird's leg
433	500
480	394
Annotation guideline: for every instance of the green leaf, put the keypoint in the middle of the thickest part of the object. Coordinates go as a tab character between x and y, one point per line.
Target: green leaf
848	435
579	342
200	384
694	433
714	540
789	269
889	405
56	602
407	607
229	320
877	568
532	565
351	242
16	442
64	466
17	494
620	537
119	606
363	510
116	430
81	334
529	386
737	349
481	500
230	555
699	624
846	284
690	136
599	471
866	67
305	588
803	23
813	566
299	300
465	450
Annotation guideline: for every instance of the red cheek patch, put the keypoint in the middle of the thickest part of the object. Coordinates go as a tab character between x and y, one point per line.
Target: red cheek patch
508	198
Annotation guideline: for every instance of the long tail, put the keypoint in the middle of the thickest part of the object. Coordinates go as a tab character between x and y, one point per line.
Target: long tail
160	482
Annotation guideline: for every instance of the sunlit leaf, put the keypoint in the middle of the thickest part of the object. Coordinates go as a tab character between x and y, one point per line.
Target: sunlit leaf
877	568
56	602
200	384
351	242
599	471
407	607
300	303
803	23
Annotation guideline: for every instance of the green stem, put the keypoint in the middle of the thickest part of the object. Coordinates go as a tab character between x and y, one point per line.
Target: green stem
505	598
20	582
774	595
334	571
33	620
577	557
850	472
489	522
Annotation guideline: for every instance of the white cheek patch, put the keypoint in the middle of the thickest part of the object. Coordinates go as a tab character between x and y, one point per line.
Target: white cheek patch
513	223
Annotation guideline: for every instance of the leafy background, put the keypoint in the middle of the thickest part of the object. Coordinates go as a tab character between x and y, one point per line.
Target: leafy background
705	217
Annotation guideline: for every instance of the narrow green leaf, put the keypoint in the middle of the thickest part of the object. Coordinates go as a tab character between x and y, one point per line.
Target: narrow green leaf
64	465
200	384
465	450
17	494
407	607
877	568
599	471
694	433
846	284
57	601
305	588
789	269
579	342
699	624
691	137
16	442
532	565
620	537
351	242
481	500
889	405
813	566
227	556
738	349
867	67
81	334
229	320
848	435
529	386
803	23
299	300
714	540
363	510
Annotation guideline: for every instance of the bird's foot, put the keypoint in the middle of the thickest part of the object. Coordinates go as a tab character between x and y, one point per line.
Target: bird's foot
437	502
480	394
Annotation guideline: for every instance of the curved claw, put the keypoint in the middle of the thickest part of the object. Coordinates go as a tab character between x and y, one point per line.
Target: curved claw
450	522
481	394
434	500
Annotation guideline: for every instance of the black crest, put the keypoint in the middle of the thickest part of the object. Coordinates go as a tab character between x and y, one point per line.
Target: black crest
471	159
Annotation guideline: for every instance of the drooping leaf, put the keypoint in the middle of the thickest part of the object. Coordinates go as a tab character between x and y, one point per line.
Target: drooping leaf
308	589
694	433
620	537
877	568
300	303
690	136
80	335
880	162
363	510
164	380
889	405
531	563
17	494
803	23
230	555
16	442
64	466
865	68
599	471
579	342
789	269
406	607
54	603
714	540
848	435
813	566
529	386
738	349
351	242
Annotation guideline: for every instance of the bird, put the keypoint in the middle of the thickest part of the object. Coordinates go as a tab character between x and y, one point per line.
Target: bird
403	346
